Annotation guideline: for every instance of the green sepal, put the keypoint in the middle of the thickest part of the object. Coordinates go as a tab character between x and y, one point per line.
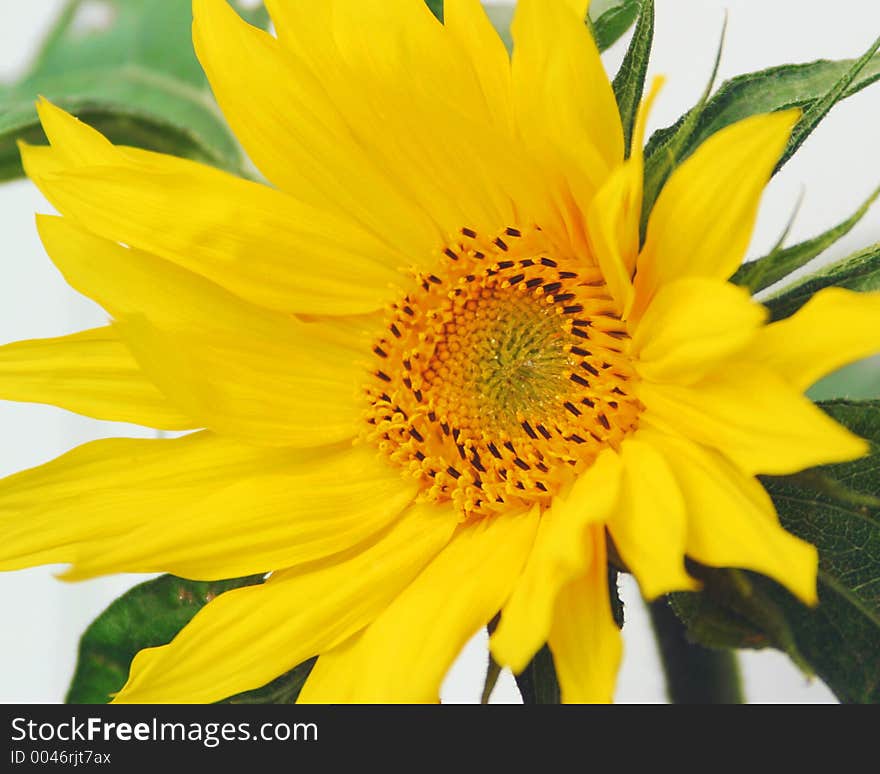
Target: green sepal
860	271
629	83
146	616
609	20
780	262
777	88
282	690
836	508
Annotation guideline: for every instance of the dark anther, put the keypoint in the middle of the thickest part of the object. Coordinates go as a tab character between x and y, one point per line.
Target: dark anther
572	408
520	485
494	450
479	256
579	333
471	277
478	463
580	352
383	376
501	243
618	334
514	232
576	439
460	448
432	416
386	397
580	380
544	431
567	274
407	364
603	420
436	280
581	323
534	282
455	433
417	435
409	311
451	254
526	262
561	298
521	464
445	428
408	382
531	433
394	330
469	233
552	287
418	395
453	472
380	352
549	262
542	467
588	402
505	264
420	455
587	367
509	446
516	278
540	486
573	310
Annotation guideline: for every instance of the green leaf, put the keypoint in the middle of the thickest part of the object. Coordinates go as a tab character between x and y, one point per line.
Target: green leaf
857	272
779	263
436	7
610	19
537	683
629	83
778	88
132	74
146	616
814	114
282	690
836	508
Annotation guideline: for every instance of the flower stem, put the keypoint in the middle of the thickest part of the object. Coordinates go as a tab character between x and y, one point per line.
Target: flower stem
694	674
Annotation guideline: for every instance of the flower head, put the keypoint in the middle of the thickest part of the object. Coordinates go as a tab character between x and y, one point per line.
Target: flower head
435	366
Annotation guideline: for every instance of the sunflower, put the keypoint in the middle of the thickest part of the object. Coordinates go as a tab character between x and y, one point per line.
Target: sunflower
431	369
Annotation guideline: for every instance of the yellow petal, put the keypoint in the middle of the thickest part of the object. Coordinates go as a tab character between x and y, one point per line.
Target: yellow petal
732	521
255	374
346	66
753	417
466	21
247	637
406	652
565	112
649	526
563	550
259	243
561	91
833	328
691	326
104	490
614	217
703	219
321	506
292	390
90	373
585	641
294	130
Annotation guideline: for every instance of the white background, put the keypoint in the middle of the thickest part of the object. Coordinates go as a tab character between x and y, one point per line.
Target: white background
42	618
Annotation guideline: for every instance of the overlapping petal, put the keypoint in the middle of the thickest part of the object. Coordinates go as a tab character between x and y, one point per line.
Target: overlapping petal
404	655
703	219
245	638
90	373
259	243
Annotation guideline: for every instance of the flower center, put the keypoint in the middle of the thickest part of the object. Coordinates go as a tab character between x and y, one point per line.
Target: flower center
503	376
